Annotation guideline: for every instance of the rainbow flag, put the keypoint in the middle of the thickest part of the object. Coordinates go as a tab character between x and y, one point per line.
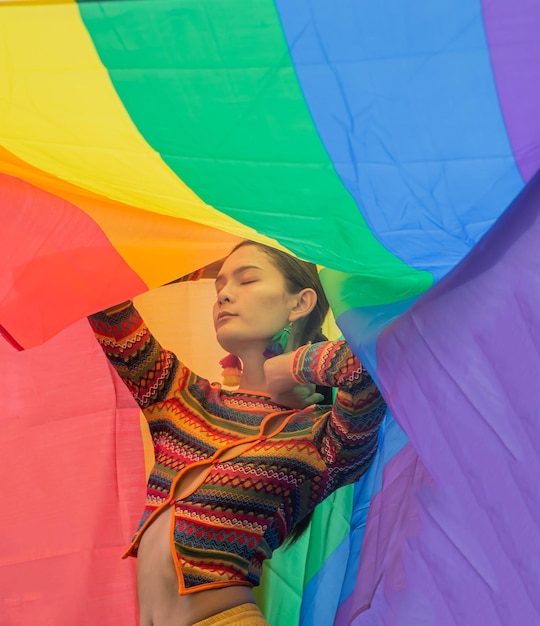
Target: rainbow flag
395	144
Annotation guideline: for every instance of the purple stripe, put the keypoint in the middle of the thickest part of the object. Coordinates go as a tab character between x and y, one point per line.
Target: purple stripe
461	372
389	524
513	34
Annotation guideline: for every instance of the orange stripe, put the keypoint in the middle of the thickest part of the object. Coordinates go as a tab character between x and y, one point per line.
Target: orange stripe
159	248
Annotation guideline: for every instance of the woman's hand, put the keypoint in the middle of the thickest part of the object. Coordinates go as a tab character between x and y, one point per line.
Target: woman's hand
282	387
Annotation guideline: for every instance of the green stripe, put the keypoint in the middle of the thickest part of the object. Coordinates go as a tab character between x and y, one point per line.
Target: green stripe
329	527
295	566
211	86
351	291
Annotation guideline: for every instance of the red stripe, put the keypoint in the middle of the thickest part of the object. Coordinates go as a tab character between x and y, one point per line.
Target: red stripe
4	333
71	452
58	265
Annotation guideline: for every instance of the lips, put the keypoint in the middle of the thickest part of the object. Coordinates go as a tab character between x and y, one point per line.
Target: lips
223	315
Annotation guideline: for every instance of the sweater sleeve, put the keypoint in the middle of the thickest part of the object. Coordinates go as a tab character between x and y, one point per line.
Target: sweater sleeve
145	367
348	435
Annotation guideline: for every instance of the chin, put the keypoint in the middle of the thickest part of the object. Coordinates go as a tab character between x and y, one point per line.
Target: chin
234	344
228	343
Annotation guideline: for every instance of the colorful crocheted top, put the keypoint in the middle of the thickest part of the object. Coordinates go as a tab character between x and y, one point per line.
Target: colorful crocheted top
259	468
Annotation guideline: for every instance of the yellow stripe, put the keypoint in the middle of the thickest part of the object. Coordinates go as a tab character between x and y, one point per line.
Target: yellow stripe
60	113
34	2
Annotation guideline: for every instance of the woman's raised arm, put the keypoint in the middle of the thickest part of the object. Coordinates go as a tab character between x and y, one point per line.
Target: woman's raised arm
147	369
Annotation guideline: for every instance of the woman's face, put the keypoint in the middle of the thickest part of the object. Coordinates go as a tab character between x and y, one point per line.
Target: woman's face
252	300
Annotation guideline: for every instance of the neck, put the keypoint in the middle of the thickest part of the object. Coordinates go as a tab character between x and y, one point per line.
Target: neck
253	378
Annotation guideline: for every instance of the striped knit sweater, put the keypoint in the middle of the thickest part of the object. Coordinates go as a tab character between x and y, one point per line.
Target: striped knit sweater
259	468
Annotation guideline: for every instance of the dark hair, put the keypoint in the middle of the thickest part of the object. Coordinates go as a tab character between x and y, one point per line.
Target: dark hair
299	275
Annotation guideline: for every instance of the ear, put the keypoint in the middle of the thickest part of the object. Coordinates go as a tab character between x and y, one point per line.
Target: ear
305	303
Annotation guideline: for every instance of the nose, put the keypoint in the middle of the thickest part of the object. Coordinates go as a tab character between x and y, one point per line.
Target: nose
224	296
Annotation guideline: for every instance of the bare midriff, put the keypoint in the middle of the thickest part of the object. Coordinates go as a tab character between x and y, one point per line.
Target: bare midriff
160	604
157	584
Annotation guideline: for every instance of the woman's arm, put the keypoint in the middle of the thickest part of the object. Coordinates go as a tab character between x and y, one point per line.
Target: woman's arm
332	364
291	379
146	368
347	435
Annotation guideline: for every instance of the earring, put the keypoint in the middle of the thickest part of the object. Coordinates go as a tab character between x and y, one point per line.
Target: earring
232	370
278	343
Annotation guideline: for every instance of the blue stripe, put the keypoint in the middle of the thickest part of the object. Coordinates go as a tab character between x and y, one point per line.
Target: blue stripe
361	327
404	100
337	577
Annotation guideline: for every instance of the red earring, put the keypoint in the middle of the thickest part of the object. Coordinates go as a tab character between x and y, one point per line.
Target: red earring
232	370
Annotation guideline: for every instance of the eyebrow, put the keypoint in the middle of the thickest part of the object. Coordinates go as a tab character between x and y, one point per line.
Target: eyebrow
220	278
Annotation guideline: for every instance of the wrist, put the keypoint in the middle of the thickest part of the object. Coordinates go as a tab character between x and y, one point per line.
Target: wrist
296	369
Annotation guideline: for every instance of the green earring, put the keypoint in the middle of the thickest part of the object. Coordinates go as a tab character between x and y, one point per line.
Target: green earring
278	343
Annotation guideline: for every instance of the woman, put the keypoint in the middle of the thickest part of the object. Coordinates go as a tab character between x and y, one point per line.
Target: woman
236	472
